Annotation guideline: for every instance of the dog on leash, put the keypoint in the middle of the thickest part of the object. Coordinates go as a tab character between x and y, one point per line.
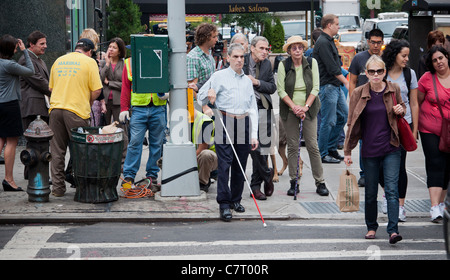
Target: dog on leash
281	148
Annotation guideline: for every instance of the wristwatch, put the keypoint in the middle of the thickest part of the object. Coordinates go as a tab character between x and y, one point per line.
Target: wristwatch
307	106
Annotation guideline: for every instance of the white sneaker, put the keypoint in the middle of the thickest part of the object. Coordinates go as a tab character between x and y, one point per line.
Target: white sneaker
442	208
402	214
384	207
435	213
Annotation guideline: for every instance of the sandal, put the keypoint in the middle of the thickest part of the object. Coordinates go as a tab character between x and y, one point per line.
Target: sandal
370	236
394	238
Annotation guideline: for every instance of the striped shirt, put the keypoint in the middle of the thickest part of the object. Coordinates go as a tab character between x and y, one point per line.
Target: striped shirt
199	65
234	95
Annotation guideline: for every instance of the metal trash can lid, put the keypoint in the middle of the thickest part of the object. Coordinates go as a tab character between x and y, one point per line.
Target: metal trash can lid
93	136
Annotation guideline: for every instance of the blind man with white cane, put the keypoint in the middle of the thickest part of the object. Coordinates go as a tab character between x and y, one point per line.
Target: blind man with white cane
231	92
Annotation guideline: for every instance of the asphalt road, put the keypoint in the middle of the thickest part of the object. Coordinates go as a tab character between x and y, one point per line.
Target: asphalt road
216	240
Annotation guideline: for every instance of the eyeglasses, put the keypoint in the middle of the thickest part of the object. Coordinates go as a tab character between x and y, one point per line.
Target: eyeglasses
372	72
376	42
294	48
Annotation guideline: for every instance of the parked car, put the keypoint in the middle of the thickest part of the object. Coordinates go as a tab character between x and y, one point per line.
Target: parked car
386	25
349	38
295	27
349	22
401	32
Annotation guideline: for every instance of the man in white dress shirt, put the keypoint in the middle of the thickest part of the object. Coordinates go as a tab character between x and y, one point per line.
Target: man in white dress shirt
232	93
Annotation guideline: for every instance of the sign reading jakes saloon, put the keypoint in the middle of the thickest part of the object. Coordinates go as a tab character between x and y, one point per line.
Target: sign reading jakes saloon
248	9
229	6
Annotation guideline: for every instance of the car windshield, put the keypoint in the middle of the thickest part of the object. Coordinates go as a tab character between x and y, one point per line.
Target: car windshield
388	27
294	28
348	22
350	37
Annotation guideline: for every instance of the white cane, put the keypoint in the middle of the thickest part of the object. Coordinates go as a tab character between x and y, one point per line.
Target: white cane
218	114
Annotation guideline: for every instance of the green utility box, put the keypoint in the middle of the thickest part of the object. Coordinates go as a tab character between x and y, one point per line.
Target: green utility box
150	63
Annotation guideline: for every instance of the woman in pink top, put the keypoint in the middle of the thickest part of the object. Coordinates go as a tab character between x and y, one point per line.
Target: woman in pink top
437	163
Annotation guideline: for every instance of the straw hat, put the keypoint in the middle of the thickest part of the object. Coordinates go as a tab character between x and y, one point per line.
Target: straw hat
295	40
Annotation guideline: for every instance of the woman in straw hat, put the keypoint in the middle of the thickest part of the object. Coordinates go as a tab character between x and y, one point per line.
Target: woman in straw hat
298	87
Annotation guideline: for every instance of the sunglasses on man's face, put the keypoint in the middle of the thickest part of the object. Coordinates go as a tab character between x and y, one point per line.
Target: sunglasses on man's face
372	72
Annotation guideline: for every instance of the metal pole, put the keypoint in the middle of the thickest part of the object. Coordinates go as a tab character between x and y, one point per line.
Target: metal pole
179	167
176	26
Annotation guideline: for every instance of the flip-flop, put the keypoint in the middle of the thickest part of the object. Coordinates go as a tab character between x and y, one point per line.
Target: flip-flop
394	238
369	236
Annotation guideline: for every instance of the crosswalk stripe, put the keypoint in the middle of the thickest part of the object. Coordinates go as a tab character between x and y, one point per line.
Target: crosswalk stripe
370	254
28	241
59	245
406	224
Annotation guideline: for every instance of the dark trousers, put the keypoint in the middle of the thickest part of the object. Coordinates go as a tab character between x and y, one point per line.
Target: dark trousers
261	171
227	160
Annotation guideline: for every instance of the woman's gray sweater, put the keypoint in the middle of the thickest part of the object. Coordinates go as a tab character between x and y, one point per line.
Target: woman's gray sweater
9	77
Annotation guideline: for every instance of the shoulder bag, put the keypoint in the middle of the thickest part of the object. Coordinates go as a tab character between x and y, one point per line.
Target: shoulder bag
404	132
444	139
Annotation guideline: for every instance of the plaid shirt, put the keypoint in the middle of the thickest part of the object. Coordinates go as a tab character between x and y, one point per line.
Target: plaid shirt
199	65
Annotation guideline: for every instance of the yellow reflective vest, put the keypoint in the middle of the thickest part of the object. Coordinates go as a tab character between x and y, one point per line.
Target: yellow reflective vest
197	129
142	99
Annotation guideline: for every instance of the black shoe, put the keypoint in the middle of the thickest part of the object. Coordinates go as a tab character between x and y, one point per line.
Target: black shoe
322	189
237	207
336	155
204	187
8	188
268	185
330	159
293	190
361	182
225	214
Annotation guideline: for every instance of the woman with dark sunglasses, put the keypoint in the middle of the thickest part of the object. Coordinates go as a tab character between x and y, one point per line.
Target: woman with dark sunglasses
372	118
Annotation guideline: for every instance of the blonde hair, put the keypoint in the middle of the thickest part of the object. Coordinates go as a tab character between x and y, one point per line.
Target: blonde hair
375	59
90	34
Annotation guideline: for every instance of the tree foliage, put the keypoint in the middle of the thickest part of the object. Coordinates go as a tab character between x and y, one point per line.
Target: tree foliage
124	20
277	37
385	6
251	21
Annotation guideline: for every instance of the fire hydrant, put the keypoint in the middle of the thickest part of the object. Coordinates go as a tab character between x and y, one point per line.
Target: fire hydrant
37	158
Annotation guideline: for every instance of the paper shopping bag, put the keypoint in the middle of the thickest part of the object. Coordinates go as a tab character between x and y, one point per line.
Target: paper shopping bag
348	193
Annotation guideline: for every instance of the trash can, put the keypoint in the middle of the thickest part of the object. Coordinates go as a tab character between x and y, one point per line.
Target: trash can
97	162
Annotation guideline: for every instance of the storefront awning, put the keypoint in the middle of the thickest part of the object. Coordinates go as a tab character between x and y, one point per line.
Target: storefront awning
229	6
189	18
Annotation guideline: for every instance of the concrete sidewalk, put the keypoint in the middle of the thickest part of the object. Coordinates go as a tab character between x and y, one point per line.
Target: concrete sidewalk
15	208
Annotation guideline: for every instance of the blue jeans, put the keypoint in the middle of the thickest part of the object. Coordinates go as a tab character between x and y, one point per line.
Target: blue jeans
153	119
333	113
390	164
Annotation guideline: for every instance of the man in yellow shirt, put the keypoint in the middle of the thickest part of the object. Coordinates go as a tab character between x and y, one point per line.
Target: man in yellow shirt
75	83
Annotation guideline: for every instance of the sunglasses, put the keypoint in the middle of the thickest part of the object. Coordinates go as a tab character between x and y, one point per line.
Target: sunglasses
372	72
